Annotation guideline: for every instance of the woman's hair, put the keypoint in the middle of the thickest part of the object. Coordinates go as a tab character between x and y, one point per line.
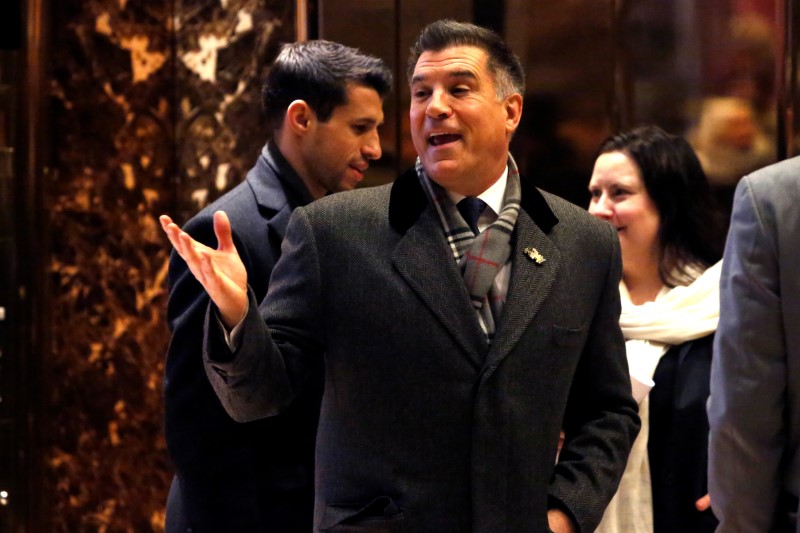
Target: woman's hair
690	234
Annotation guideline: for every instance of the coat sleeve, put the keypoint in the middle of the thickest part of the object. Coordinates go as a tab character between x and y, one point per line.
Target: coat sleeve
748	373
272	364
601	421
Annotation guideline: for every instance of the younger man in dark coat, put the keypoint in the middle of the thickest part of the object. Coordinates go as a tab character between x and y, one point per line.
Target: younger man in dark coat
324	102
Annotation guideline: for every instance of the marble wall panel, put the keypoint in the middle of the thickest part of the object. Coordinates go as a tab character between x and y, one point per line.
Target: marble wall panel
155	108
223	54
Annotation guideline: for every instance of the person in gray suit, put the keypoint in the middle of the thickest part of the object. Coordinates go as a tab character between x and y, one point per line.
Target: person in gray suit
457	340
754	409
323	102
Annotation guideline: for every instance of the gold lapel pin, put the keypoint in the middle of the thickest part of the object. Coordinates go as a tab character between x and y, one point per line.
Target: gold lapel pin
534	255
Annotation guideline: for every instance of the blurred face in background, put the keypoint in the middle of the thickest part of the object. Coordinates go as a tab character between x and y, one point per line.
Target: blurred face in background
738	129
619	197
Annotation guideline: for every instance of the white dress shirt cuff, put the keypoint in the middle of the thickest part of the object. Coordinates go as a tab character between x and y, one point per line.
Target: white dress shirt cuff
233	337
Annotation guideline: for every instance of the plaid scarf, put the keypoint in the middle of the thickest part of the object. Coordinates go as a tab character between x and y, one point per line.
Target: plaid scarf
479	257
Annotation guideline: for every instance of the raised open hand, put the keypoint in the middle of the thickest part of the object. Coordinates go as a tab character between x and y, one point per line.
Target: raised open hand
220	271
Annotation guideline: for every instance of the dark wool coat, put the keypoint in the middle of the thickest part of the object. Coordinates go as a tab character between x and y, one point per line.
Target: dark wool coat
678	440
424	427
232	477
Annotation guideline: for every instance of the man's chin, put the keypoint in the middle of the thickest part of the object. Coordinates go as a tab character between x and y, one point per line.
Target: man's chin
441	171
347	185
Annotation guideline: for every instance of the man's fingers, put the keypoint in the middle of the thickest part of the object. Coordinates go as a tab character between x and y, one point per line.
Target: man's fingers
190	253
173	232
210	267
185	246
222	229
703	503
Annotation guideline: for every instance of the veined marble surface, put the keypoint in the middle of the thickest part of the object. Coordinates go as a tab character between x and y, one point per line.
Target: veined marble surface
156	109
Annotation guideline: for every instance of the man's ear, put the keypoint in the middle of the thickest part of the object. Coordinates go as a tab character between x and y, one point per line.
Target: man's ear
299	117
513	107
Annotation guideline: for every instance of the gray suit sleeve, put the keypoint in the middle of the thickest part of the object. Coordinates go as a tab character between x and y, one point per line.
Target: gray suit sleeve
748	373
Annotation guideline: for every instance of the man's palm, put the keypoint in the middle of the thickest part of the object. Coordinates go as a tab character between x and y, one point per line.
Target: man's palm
220	271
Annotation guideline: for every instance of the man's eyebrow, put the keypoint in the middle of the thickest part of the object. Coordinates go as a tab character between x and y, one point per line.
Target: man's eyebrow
369	122
462	74
454	74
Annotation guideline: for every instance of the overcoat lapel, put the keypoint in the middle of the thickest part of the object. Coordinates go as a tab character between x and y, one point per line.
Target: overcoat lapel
278	189
528	288
423	259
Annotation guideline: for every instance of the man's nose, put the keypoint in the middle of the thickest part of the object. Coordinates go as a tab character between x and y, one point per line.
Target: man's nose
372	148
438	106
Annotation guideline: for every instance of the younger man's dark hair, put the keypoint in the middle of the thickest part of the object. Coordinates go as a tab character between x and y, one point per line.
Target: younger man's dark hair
319	72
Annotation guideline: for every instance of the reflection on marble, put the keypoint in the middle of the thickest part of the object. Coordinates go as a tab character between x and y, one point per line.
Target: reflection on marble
223	53
155	109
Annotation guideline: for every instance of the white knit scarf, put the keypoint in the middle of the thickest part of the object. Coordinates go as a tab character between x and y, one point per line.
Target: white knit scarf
676	316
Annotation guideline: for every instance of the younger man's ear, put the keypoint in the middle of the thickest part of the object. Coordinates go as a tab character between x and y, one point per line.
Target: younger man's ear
299	117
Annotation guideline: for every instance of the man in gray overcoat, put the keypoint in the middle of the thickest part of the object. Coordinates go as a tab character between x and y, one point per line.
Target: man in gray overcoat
463	319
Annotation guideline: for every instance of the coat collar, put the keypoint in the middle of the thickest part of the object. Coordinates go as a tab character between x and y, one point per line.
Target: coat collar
408	201
275	182
528	287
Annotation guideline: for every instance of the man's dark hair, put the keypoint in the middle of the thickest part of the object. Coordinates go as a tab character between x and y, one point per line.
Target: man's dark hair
318	72
503	64
690	233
